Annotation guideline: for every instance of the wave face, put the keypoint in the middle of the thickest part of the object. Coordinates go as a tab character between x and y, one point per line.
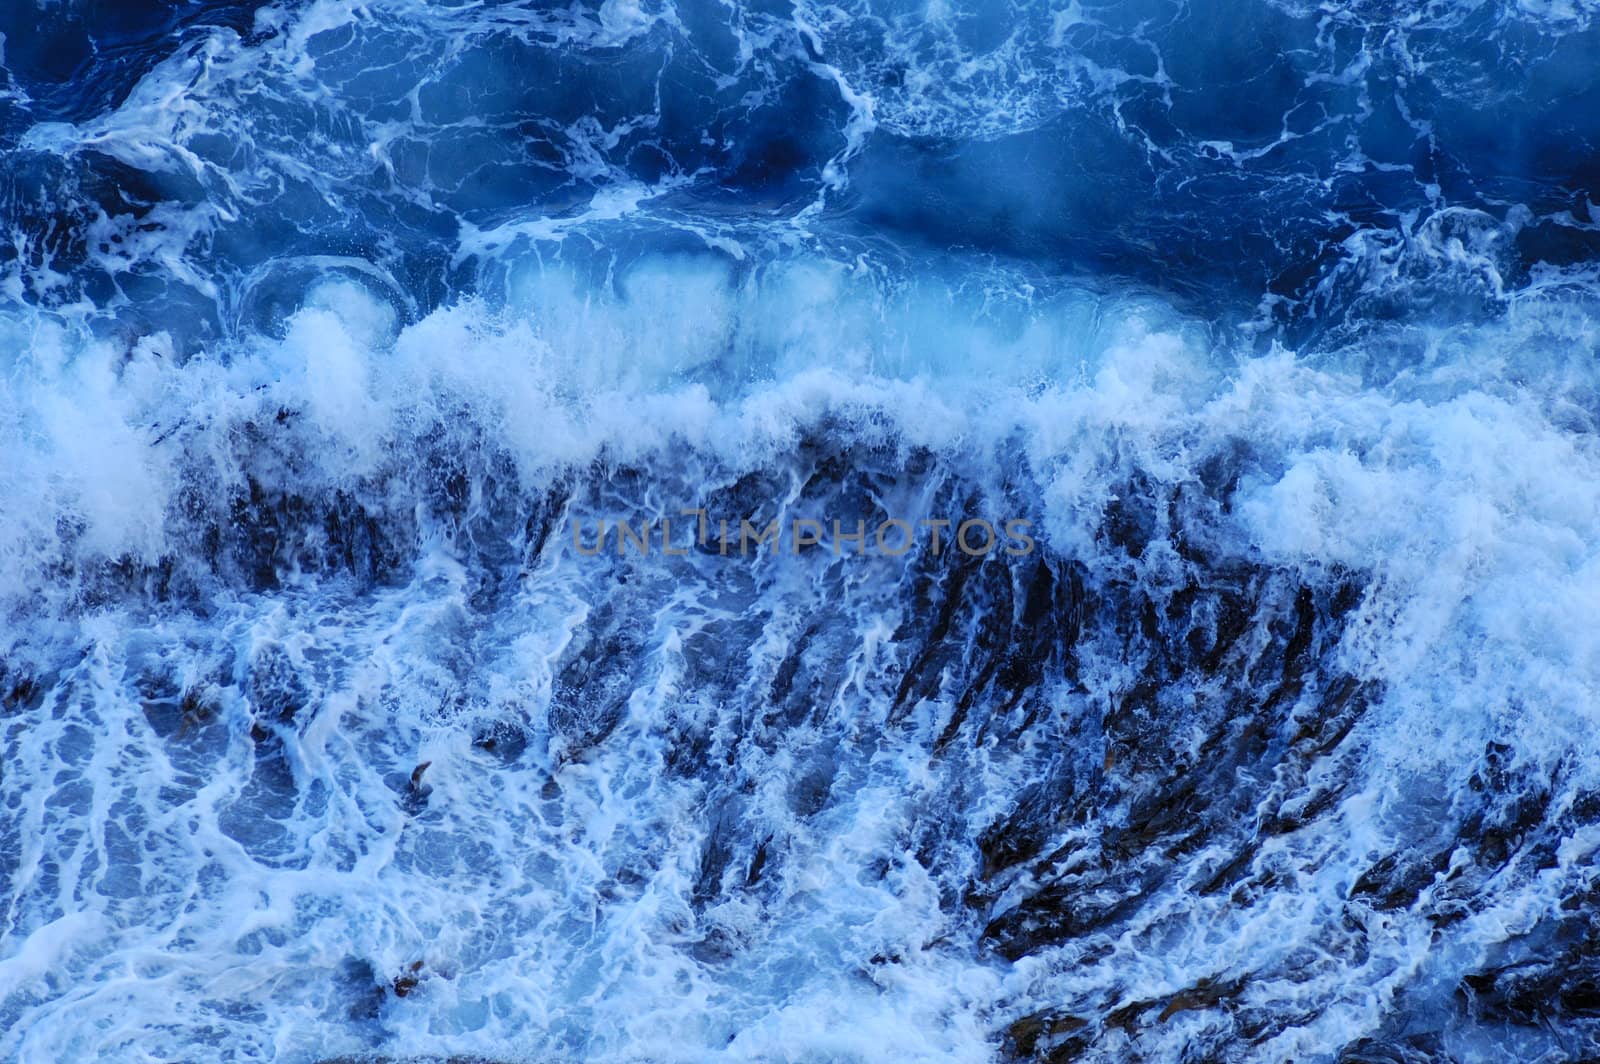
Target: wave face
334	334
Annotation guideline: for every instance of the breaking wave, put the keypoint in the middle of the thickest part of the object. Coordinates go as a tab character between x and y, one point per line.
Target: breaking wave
327	326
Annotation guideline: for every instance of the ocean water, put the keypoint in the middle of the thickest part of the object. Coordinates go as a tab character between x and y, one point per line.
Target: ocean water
1261	334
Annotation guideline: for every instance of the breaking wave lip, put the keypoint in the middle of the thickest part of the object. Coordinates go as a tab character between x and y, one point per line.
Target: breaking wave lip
324	328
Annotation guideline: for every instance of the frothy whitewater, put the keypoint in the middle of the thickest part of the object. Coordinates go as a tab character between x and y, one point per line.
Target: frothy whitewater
325	326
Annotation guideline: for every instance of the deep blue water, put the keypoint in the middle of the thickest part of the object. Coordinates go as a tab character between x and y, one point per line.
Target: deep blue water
331	333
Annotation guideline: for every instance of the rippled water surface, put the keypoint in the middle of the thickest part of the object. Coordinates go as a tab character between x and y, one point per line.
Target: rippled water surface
330	333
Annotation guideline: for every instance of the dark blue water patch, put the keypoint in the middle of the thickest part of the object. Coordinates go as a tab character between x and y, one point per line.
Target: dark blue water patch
505	129
1084	199
1565	242
653	111
1268	139
1241	80
78	60
1234	154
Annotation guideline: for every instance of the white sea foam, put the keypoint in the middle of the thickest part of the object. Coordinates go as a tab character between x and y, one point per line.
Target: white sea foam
1468	506
271	542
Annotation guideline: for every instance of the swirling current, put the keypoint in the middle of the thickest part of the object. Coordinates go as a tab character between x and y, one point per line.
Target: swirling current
784	530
